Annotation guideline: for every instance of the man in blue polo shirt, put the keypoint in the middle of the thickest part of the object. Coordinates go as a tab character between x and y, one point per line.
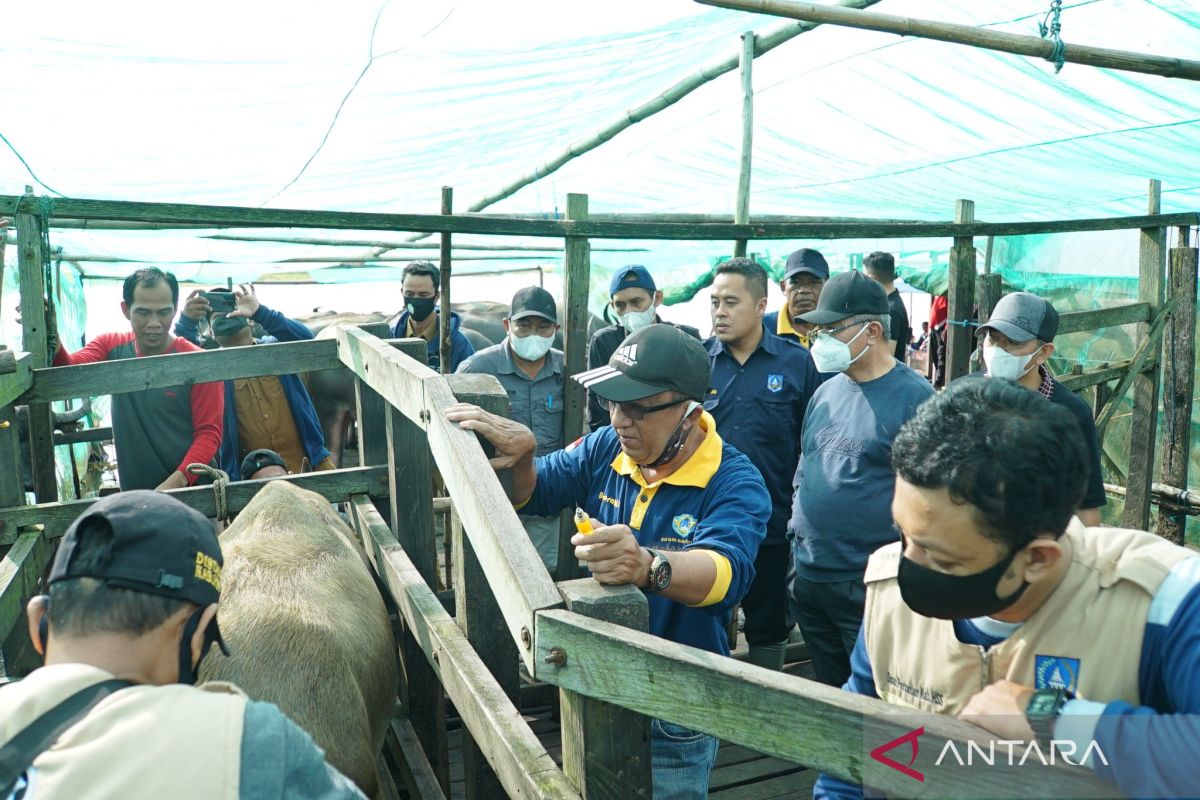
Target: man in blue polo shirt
676	511
761	388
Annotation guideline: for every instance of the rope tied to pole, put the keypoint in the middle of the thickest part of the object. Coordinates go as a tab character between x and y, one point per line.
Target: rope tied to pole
219	479
1058	50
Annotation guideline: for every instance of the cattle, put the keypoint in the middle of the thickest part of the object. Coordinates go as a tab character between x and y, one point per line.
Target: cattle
306	626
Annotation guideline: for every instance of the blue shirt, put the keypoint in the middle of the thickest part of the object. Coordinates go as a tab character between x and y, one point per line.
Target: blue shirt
842	509
716	501
1151	749
759	409
460	347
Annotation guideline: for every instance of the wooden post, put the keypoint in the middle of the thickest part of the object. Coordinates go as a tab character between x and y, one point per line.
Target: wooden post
960	339
1179	359
476	611
741	214
606	748
369	411
446	348
575	338
1143	423
988	292
410	480
35	341
12	490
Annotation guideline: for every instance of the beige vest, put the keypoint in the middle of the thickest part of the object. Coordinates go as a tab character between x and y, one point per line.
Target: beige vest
1088	633
144	742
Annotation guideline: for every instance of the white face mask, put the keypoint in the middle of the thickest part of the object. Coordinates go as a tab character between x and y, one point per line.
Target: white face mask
1002	364
531	347
833	355
634	321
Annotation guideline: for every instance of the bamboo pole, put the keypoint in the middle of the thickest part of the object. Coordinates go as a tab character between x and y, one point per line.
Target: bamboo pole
231	237
446	260
1015	43
83	258
742	212
763	44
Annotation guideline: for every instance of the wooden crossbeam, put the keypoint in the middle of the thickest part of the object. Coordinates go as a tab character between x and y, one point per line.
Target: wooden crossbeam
1073	321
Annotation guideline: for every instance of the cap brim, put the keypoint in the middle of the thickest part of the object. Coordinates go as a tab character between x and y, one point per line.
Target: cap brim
819	317
609	383
806	271
531	313
1010	331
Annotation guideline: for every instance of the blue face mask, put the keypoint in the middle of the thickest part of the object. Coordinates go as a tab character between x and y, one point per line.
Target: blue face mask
531	347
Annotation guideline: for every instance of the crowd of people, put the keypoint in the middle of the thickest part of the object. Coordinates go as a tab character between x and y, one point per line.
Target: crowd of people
939	551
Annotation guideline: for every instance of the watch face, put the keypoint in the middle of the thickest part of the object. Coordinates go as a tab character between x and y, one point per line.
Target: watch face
660	573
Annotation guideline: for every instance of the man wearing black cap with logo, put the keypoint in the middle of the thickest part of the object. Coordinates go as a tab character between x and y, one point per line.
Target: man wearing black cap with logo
803	278
531	371
841	510
675	510
1020	340
260	464
635	300
131	613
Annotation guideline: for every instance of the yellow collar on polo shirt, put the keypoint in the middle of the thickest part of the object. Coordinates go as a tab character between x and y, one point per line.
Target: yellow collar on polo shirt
696	471
783	327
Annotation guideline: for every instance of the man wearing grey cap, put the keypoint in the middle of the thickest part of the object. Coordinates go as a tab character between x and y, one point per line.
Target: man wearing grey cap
132	611
675	510
531	371
1017	341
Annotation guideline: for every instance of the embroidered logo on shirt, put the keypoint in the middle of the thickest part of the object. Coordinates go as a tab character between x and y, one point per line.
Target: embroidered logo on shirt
774	382
684	524
627	355
1056	672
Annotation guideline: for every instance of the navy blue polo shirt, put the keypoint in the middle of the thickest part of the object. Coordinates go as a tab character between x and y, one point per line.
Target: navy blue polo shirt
759	409
714	502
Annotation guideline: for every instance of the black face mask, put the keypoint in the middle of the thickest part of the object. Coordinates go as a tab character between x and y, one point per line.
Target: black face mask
228	326
935	594
187	672
674	444
420	307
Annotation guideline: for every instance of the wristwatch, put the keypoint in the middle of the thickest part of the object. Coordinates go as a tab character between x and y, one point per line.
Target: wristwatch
1043	709
659	577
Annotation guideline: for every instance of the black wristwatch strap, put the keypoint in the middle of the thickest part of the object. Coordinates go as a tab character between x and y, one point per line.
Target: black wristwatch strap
1042	711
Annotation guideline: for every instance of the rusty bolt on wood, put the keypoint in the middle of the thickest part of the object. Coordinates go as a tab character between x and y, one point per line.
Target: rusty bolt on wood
557	657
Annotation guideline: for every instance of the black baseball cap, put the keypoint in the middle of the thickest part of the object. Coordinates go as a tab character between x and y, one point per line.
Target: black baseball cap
533	301
1022	316
845	295
655	359
809	261
157	546
257	459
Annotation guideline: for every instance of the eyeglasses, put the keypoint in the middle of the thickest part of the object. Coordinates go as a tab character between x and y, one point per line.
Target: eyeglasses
638	412
831	331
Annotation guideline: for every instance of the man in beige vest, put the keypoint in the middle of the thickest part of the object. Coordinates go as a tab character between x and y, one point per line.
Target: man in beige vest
131	612
1086	637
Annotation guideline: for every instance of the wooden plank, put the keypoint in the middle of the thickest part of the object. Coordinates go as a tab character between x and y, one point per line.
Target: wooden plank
1095	377
797	786
16	383
421	690
176	369
521	763
605	748
12	487
418	774
982	37
35	340
740	703
1073	321
84	435
578	268
476	611
1152	242
1179	361
334	485
515	573
19	573
1137	365
741	213
369	411
960	339
749	772
235	217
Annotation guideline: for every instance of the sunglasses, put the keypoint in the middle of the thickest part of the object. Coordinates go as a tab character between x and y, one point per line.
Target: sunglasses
638	412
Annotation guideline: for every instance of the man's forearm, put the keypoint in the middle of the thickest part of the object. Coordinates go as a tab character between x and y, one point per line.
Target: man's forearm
524	480
696	578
